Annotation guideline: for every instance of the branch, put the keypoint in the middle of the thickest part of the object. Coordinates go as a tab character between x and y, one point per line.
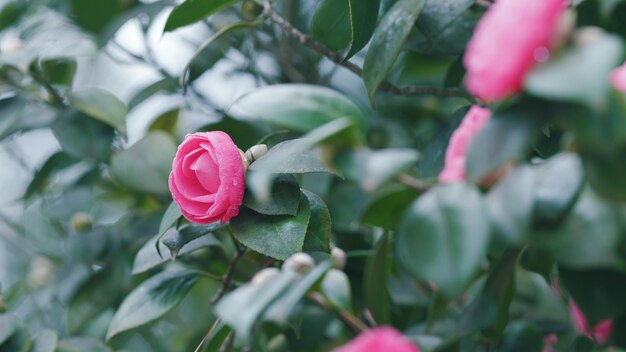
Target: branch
348	318
413	182
339	59
226	279
208	334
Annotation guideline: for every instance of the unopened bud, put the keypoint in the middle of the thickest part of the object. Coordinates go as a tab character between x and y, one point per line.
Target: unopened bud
244	160
588	35
40	272
338	258
264	276
81	221
255	152
250	9
299	262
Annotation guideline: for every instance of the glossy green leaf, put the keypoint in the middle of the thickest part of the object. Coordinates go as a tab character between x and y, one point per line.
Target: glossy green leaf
587	238
284	198
579	74
170	217
146	165
319	231
178	239
167	84
83	137
444	240
101	105
153	298
363	17
376	279
299	107
336	288
389	37
166	122
45	341
274	236
385	210
192	11
331	24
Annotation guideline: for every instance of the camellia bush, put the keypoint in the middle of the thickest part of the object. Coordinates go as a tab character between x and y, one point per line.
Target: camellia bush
313	175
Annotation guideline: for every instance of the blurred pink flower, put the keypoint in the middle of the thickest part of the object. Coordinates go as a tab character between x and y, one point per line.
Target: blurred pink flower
382	339
549	341
510	39
618	78
600	332
454	166
207	178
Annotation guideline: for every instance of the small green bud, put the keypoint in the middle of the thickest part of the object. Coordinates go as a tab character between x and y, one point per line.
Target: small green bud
250	10
81	222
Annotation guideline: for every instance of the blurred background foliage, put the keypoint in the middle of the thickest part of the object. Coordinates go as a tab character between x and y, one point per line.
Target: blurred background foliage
92	109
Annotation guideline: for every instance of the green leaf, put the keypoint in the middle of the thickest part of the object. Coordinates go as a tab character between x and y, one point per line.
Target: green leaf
11	13
152	299
146	165
166	84
605	171
336	288
95	17
385	210
55	71
82	137
46	341
579	74
101	105
80	344
387	42
499	290
445	240
505	138
558	184
170	217
319	230
274	236
587	238
166	122
376	279
57	162
521	336
284	198
8	325
511	203
363	16
299	107
217	338
182	242
330	24
22	115
19	341
192	11
242	308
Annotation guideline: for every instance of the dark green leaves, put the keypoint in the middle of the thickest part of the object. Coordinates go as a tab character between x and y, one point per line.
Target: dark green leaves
153	298
192	11
376	279
274	236
284	198
317	238
145	166
101	105
299	107
363	16
444	240
388	40
330	24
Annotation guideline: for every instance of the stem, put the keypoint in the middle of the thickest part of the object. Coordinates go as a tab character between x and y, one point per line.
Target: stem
226	279
208	334
348	318
413	182
339	59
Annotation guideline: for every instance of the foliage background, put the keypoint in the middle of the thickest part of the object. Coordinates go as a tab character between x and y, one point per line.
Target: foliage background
92	110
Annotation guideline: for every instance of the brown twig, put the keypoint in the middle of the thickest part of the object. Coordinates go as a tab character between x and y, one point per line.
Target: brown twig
339	59
208	334
226	279
348	318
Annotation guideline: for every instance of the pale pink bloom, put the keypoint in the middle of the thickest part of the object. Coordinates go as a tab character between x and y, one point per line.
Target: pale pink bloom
382	339
511	38
455	159
618	78
600	332
207	178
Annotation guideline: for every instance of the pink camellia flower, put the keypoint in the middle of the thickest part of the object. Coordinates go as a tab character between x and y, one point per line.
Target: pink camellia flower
454	167
382	339
618	78
600	332
207	178
510	39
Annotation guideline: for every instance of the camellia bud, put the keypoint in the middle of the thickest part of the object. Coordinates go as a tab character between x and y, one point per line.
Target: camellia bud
81	221
41	269
264	276
255	152
338	257
299	262
250	9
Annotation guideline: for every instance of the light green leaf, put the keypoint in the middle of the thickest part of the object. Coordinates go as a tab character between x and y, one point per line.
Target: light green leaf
330	24
336	288
443	239
152	299
192	11
101	105
146	165
387	42
274	236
